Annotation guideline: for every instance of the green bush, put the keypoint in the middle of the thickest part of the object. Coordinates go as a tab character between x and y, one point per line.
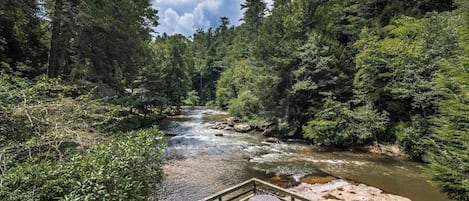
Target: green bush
192	98
338	125
118	170
245	106
414	137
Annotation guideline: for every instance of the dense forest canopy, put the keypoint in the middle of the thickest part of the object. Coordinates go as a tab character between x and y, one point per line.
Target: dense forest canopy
82	80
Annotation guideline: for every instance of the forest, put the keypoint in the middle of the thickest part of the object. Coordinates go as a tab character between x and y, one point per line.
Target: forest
83	81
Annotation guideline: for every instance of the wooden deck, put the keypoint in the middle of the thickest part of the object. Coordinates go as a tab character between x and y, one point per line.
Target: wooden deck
252	187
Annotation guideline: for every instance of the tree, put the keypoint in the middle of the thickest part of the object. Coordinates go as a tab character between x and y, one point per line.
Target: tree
87	39
241	88
397	72
450	154
63	23
148	86
23	36
319	74
170	69
253	17
239	77
339	125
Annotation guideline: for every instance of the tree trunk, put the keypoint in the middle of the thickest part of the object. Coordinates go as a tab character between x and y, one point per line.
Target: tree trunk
62	53
56	52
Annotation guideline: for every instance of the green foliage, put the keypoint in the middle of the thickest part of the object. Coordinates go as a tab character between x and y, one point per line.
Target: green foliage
192	98
450	154
95	41
23	38
364	58
165	80
244	106
239	77
319	73
414	137
396	71
339	125
241	88
118	170
213	52
58	142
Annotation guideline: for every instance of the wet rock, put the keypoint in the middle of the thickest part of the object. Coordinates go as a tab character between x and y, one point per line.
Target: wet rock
231	121
219	134
268	131
313	179
344	190
283	181
272	140
170	134
215	127
242	127
219	126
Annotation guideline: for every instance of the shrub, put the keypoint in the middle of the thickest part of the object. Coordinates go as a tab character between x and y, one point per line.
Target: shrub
414	136
336	124
118	170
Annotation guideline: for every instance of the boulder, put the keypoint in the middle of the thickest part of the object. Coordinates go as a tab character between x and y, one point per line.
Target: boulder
219	126
231	121
340	189
215	127
242	127
219	134
272	140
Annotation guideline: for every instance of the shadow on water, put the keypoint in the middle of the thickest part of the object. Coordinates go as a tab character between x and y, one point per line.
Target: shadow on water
199	163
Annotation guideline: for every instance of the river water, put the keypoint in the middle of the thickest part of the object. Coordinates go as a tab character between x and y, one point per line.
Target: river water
198	163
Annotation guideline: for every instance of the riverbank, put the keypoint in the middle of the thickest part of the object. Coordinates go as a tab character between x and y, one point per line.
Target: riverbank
265	131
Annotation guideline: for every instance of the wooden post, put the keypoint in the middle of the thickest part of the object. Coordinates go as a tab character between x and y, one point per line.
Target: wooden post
254	190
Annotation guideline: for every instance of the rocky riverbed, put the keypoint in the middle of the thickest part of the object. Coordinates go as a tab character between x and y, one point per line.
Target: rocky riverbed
326	188
201	160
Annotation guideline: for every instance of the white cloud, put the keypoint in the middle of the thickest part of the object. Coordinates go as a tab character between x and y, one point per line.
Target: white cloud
185	16
269	3
178	24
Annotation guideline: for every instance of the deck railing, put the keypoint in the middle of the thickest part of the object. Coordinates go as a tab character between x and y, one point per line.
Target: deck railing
252	187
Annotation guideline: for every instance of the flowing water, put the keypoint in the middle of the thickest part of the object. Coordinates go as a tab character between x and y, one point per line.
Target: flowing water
198	163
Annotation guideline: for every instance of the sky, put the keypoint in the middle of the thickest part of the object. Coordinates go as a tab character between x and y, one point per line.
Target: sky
186	16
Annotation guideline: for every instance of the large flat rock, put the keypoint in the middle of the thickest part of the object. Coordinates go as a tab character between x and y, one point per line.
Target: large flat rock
344	190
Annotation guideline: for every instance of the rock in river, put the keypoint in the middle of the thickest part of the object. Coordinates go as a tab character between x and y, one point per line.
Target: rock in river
242	127
344	190
272	140
231	121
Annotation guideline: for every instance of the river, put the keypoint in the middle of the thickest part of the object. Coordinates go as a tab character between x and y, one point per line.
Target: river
197	163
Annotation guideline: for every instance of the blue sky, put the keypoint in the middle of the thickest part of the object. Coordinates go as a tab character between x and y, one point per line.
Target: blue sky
186	16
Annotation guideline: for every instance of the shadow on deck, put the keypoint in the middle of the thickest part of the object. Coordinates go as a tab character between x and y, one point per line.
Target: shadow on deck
255	188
